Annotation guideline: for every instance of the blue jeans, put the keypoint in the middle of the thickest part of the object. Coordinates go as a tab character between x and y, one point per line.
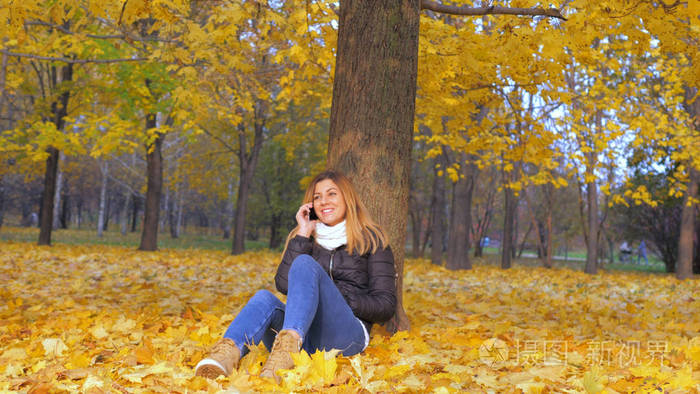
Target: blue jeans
315	309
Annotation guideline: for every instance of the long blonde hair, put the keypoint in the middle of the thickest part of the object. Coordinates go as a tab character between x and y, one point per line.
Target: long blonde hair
364	234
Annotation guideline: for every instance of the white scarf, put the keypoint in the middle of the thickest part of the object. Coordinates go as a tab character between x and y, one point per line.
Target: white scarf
331	237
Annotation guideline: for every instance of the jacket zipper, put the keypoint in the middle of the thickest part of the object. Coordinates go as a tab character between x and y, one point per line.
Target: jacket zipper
330	266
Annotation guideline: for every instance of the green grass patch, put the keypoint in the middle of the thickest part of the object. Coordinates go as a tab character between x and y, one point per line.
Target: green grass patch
194	240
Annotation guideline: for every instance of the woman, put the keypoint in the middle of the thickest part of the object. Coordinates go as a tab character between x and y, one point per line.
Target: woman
339	278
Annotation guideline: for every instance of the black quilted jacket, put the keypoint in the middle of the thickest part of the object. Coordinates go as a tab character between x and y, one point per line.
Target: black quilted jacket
367	282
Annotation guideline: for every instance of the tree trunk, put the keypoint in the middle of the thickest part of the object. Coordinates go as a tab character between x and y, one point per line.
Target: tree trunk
104	170
437	205
592	199
46	210
59	110
684	266
125	213
416	220
248	162
228	212
371	125
65	213
172	217
57	194
166	209
180	208
2	201
550	192
154	164
461	220
275	236
134	212
511	205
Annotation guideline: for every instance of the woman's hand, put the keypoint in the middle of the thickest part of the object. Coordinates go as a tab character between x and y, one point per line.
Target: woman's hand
306	226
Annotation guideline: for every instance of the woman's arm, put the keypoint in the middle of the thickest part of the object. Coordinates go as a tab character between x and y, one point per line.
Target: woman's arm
379	304
300	244
297	245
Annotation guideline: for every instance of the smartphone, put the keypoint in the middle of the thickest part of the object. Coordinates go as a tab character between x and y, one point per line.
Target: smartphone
312	214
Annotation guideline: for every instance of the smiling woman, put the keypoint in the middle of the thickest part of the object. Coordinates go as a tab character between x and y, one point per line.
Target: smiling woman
338	274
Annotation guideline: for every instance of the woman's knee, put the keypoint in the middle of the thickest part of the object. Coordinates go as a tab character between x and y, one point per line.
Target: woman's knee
304	263
265	297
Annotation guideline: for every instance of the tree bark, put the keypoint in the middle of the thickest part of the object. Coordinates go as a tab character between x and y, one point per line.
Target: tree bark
437	206
228	212
125	213
275	236
684	266
59	110
248	162
154	165
511	205
134	212
592	244
57	194
371	125
172	216
180	208
416	221
104	170
2	201
458	242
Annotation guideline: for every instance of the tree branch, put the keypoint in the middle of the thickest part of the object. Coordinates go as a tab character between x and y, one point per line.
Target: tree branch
123	36
491	10
71	61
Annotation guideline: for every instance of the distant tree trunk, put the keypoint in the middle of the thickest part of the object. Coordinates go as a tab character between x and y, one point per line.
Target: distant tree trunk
134	212
592	244
57	194
79	212
2	200
180	208
154	164
371	125
521	248
104	170
458	241
275	236
248	162
228	212
437	206
172	217
125	213
592	217
65	212
166	209
416	220
550	201
59	110
511	205
684	267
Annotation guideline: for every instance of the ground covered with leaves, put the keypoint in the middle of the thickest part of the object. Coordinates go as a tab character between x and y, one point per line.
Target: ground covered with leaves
110	319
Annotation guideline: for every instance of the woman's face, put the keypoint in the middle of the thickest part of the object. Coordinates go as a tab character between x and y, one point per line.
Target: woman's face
329	203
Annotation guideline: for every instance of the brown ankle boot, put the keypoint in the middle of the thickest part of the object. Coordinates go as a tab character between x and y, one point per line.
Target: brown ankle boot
223	359
286	342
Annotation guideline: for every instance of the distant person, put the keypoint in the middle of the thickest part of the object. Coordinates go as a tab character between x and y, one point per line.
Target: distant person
485	242
625	252
337	271
642	253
